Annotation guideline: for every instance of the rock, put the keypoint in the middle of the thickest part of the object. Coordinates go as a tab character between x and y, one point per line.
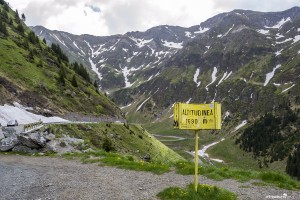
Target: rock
55	146
1	135
88	150
8	143
8	131
70	140
21	148
51	146
50	137
27	141
38	138
147	158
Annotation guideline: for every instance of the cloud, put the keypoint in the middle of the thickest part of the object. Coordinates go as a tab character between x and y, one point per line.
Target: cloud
107	17
94	8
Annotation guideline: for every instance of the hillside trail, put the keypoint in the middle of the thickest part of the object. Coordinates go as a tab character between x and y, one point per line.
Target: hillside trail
27	177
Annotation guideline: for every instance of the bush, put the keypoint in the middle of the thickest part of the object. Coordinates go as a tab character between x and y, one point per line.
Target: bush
107	145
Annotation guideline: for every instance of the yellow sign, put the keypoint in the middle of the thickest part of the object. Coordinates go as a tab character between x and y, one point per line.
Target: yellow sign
197	116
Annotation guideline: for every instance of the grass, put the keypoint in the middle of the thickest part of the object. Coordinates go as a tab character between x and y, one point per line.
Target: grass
128	139
126	146
271	178
204	192
165	128
121	161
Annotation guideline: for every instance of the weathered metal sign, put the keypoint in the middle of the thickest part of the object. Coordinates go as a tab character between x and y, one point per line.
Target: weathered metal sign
197	116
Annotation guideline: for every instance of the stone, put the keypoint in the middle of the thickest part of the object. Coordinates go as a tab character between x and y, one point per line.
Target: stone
50	137
38	138
8	131
21	148
25	140
1	135
8	143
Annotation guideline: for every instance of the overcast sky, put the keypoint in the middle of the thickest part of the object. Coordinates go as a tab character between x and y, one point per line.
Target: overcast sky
108	17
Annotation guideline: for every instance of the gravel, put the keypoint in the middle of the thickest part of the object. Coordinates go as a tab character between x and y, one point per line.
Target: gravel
39	178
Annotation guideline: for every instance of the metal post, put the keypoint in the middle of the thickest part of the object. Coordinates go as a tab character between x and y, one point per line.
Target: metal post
196	160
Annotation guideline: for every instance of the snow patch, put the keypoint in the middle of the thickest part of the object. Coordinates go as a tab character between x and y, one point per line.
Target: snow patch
228	75
288	88
244	122
280	23
142	104
196	76
202	151
140	42
263	31
172	44
278	36
296	39
213	77
277	53
284	41
20	113
62	42
202	30
94	68
228	30
125	106
189	34
270	75
78	48
188	101
126	72
222	79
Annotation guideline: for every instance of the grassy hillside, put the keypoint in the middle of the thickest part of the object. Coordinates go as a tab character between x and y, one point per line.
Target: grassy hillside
127	139
42	77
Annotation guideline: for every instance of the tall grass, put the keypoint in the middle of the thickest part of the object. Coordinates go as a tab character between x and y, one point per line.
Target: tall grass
205	192
220	173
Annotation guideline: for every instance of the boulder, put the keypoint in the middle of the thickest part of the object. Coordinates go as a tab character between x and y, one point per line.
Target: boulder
8	143
9	131
21	148
25	140
1	135
50	137
38	139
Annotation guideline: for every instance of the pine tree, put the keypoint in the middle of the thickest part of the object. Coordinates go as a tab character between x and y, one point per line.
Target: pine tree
23	17
96	84
3	29
62	76
74	81
20	28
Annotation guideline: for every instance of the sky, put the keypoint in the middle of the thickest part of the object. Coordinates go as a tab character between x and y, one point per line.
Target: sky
109	17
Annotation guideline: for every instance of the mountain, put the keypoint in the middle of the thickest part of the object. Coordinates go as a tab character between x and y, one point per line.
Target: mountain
41	78
249	61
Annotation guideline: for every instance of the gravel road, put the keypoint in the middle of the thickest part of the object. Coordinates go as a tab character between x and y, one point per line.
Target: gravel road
39	178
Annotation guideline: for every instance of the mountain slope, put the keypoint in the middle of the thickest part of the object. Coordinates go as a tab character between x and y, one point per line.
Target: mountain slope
41	77
249	61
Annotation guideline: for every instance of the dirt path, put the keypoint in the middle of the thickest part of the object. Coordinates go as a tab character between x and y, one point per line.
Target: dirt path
24	177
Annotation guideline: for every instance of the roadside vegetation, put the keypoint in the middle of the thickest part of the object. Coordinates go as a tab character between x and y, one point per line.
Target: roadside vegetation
204	192
271	178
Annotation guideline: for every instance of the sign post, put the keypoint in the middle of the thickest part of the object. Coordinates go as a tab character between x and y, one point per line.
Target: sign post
197	117
196	161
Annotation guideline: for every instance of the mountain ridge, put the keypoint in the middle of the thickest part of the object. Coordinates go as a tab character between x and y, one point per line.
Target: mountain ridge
247	60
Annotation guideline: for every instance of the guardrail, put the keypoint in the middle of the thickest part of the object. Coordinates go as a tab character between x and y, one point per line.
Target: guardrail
31	126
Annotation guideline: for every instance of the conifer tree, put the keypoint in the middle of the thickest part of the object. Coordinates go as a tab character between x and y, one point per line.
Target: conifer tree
74	81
